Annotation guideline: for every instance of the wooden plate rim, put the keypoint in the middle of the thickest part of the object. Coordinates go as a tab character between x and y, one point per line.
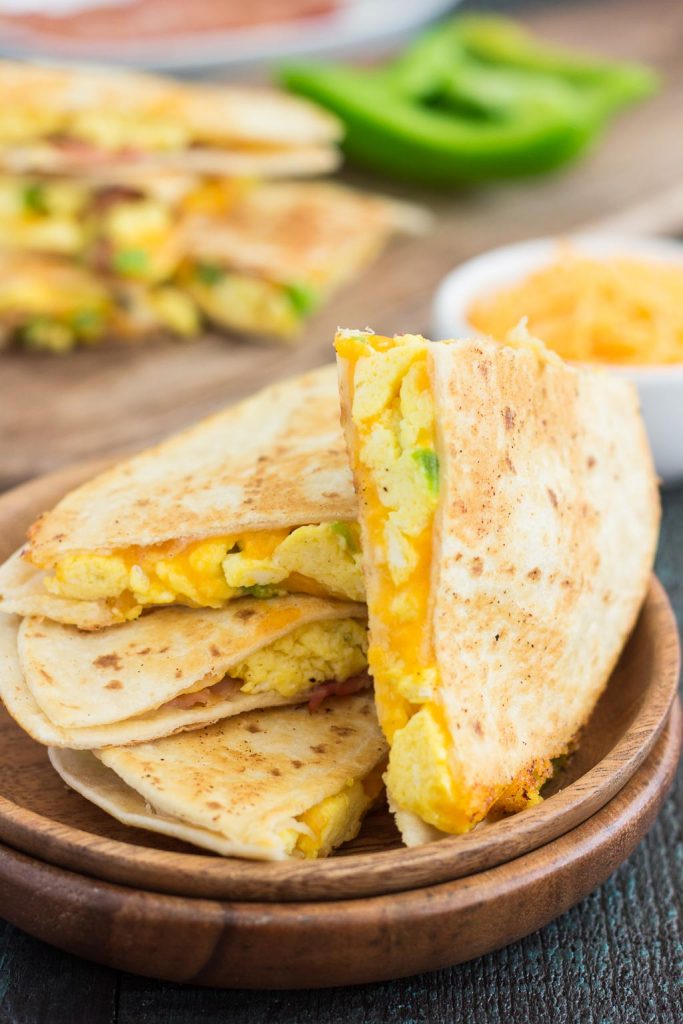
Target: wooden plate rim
305	945
361	874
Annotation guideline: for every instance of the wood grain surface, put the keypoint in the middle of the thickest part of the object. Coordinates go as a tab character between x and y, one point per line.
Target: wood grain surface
40	816
56	410
342	942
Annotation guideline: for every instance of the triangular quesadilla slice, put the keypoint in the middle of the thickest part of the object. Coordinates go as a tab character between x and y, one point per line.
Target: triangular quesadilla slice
177	669
509	516
267	785
283	248
255	501
62	120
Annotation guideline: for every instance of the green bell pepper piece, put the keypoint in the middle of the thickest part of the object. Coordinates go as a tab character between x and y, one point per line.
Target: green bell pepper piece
474	99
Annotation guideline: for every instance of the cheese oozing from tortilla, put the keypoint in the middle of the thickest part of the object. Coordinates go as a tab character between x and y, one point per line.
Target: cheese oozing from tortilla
396	466
336	819
324	560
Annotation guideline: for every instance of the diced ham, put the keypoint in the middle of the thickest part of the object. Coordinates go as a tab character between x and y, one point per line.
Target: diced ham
336	688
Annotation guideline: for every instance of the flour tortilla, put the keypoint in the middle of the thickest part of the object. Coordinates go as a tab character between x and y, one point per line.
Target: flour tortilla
216	126
69	688
42	158
235	786
276	460
315	233
545	536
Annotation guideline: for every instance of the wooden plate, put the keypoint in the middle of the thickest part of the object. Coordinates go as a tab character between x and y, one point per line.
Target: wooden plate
40	816
306	945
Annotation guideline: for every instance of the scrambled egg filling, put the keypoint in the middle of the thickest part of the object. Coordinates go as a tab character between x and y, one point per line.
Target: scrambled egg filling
323	559
398	470
312	654
247	303
335	820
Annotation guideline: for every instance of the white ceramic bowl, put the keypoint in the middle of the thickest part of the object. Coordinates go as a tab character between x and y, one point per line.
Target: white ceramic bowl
660	387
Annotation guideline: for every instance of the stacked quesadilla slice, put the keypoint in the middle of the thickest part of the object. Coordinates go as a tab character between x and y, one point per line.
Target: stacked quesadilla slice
132	205
509	516
216	577
264	785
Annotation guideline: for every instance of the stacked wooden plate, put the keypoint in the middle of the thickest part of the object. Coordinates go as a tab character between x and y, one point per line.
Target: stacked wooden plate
74	877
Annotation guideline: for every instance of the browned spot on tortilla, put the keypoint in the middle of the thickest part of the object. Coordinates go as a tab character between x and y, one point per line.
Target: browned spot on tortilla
46	676
245	613
162	650
215	651
483	368
178	673
319	748
276	772
478	729
508	417
253	728
510	464
107	661
476	567
591	461
144	650
214	805
552	496
297	764
535	574
342	730
114	684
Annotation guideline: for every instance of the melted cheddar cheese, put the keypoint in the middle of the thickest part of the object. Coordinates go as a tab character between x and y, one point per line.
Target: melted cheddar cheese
397	472
323	559
336	819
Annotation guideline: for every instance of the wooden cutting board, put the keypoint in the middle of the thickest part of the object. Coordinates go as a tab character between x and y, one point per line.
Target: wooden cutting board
55	410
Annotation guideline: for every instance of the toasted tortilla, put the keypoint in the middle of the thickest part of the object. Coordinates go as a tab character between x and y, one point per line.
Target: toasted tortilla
234	787
266	163
276	460
543	542
49	100
318	233
69	688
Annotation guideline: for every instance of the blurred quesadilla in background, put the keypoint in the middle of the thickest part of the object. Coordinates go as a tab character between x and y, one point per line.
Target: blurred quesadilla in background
61	120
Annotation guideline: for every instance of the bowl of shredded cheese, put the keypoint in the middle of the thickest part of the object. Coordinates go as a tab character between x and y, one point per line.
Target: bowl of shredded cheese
611	300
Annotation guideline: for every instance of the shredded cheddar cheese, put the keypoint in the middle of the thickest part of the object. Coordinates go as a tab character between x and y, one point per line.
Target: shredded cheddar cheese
618	310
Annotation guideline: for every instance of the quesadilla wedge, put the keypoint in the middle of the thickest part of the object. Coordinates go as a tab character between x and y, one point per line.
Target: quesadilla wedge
268	785
61	120
51	304
177	669
255	501
509	517
282	249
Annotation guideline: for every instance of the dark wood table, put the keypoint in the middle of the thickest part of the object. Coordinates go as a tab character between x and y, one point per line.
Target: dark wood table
617	958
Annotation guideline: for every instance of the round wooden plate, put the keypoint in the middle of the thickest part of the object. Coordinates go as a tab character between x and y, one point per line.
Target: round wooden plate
307	945
40	816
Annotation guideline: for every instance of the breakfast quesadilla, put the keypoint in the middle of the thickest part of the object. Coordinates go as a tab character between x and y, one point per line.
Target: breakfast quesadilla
255	501
88	258
267	785
52	305
61	120
509	517
282	248
178	669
